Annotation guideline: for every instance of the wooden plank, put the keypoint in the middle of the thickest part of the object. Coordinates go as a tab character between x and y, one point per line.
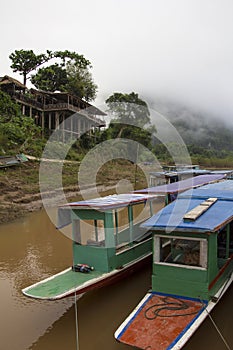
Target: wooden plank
199	210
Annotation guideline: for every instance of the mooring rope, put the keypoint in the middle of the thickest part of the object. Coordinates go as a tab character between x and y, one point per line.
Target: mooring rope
76	321
218	330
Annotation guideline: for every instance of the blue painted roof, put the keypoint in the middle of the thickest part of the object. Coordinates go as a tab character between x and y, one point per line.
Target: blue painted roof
182	185
111	201
221	212
171	217
220	190
102	203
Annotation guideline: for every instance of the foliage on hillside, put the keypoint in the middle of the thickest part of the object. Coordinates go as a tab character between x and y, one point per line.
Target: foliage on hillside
209	140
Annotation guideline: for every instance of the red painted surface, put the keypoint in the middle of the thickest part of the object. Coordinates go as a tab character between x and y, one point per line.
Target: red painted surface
160	322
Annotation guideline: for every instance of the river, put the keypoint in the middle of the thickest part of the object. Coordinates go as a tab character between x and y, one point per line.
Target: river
31	249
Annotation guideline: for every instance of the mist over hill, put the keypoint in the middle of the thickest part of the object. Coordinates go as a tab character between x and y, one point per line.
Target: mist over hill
198	129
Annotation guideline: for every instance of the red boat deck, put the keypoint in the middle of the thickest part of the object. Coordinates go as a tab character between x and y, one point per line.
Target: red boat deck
159	322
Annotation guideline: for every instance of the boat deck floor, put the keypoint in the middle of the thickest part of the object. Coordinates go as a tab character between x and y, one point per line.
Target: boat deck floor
159	321
61	284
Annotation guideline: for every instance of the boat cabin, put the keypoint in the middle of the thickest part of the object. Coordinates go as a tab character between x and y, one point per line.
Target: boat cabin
193	242
106	231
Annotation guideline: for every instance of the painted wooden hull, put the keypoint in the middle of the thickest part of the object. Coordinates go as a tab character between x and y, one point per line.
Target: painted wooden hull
69	282
166	322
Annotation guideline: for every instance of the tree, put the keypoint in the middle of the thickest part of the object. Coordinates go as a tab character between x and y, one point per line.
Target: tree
129	109
8	108
51	78
25	61
131	118
16	131
70	74
72	68
80	82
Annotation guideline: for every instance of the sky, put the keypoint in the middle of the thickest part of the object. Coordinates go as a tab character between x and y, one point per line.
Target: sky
175	50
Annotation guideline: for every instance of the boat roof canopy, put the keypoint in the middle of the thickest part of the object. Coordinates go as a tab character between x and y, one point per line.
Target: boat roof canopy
172	217
183	185
220	190
114	201
111	202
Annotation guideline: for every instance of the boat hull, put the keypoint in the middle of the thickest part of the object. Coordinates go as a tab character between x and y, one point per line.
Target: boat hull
69	282
162	321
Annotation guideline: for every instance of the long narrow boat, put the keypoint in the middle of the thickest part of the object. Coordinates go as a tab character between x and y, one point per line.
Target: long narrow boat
192	268
107	244
103	241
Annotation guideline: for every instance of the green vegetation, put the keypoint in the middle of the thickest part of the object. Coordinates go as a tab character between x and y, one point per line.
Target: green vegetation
70	74
17	132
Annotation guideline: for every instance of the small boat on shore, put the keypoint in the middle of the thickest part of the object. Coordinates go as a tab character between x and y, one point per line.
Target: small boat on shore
192	268
108	242
8	161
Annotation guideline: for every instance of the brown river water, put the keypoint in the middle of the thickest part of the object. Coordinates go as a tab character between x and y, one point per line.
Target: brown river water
32	249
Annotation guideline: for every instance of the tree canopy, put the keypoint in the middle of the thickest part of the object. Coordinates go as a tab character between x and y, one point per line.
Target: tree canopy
131	118
129	109
69	72
26	61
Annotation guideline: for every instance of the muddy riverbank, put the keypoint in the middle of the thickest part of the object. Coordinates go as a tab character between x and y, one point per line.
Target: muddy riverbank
20	190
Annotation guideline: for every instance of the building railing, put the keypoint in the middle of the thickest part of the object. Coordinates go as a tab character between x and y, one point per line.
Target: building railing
58	107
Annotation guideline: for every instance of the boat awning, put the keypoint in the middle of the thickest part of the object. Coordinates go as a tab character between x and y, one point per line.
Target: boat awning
114	201
182	185
172	218
220	190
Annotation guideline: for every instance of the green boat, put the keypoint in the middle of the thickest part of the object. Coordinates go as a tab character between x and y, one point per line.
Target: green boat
192	268
108	242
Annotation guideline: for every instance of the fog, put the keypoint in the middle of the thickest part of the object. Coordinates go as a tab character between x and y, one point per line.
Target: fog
178	51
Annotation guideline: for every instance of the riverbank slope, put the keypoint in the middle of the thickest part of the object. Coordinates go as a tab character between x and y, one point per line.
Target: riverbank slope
20	190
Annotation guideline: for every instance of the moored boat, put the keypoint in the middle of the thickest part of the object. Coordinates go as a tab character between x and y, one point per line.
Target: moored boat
106	236
192	268
8	161
107	244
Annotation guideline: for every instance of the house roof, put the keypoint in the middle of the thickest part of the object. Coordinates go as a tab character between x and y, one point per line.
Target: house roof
9	80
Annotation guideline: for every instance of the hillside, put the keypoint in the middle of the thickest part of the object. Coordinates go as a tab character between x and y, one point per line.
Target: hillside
205	136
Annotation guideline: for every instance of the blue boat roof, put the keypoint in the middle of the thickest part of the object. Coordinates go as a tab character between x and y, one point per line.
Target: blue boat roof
182	185
111	202
171	217
102	203
220	190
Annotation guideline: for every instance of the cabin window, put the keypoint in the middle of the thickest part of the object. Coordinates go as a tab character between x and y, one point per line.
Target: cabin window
127	222
89	232
225	244
180	251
